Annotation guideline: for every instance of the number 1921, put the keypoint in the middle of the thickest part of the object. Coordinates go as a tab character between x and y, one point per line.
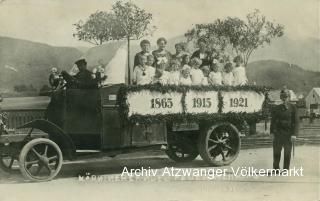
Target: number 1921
238	102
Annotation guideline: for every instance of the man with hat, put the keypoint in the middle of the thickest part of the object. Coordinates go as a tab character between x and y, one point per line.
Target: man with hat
83	79
283	129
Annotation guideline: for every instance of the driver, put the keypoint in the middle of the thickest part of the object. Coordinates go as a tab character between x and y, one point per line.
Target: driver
83	79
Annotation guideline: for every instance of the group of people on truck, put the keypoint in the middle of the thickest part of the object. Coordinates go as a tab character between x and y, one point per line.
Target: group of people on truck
203	67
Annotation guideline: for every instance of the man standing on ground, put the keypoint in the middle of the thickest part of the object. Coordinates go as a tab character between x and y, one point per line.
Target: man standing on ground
283	129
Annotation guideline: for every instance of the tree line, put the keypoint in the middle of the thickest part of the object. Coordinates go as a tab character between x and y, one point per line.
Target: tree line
232	35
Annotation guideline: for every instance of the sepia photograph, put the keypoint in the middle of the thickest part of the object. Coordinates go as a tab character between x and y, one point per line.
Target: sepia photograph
160	100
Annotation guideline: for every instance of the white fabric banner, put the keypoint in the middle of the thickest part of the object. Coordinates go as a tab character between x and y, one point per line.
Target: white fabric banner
242	101
146	102
116	68
200	102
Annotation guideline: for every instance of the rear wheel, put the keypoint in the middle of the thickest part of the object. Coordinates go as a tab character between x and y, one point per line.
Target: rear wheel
40	160
219	144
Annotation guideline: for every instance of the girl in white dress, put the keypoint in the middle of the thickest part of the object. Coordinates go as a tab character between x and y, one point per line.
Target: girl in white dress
239	72
206	72
185	78
227	76
215	76
174	74
143	74
196	73
161	76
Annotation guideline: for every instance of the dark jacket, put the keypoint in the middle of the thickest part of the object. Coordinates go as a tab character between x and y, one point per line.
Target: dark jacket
284	121
205	61
158	54
136	61
82	80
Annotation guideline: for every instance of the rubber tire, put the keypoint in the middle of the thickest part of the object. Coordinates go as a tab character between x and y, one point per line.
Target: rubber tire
203	149
27	148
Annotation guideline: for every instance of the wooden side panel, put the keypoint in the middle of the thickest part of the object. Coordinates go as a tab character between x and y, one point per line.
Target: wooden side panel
112	133
116	136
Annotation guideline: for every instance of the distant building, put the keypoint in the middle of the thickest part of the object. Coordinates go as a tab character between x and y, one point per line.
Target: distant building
313	100
274	97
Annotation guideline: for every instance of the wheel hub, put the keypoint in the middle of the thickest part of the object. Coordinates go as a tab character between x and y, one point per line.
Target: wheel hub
44	160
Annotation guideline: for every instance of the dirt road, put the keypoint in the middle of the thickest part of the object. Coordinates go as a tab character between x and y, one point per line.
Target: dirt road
114	184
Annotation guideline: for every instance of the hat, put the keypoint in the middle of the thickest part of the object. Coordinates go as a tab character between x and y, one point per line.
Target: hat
285	93
81	61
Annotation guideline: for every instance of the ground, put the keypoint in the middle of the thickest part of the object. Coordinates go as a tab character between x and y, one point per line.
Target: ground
114	187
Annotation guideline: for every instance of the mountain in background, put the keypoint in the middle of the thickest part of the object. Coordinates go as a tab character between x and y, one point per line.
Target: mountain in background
82	49
29	63
277	74
304	52
26	62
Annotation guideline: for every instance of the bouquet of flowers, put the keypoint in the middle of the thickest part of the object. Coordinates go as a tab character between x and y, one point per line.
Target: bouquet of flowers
3	117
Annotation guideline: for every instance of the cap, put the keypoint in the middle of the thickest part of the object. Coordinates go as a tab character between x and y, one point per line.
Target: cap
81	61
285	93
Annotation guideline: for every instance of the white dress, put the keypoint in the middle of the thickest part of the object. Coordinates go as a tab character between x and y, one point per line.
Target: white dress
174	77
142	77
205	81
240	77
164	79
228	79
215	78
185	81
196	76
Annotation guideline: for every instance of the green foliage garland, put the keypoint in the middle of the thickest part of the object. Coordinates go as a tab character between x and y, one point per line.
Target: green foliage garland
188	117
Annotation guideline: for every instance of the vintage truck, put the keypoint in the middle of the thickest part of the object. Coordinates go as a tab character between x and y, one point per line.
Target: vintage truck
185	121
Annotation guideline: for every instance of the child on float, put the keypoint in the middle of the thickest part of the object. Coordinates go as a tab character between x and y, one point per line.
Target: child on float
150	60
142	73
239	72
227	76
185	78
215	76
196	73
185	60
206	72
161	76
54	78
174	74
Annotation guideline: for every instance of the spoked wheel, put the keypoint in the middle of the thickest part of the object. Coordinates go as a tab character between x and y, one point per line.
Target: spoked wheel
219	144
179	153
40	160
8	163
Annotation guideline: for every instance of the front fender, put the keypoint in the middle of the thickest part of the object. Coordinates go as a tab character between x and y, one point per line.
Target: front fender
56	134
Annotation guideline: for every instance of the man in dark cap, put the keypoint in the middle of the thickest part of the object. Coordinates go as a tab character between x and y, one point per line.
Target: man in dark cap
283	129
83	79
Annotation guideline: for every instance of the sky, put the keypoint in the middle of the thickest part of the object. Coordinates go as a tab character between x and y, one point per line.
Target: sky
51	21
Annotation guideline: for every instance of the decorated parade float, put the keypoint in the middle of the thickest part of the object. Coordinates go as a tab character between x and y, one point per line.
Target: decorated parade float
185	121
